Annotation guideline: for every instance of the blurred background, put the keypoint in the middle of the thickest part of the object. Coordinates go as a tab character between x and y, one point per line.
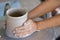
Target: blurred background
17	3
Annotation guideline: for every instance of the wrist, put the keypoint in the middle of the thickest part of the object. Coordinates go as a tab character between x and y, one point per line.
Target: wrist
42	25
37	28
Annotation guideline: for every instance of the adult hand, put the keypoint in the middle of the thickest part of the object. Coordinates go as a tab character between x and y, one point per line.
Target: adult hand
28	28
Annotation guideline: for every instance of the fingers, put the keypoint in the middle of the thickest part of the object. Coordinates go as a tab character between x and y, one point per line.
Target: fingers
28	22
18	29
21	33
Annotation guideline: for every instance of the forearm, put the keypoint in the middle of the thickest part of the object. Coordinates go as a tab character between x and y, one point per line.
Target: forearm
43	8
48	23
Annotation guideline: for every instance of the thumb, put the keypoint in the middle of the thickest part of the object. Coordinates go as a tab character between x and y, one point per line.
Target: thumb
28	22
